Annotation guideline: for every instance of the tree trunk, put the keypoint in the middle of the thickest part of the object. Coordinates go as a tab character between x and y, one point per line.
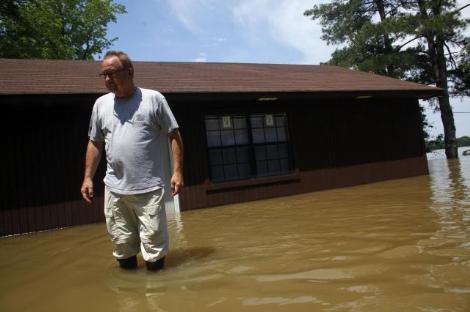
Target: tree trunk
387	42
447	118
447	115
439	64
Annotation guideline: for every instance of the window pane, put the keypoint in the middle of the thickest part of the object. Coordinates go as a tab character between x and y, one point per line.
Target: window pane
269	120
241	137
217	173
281	134
261	168
227	122
260	153
212	124
230	172
258	135
273	166
243	154
271	135
229	156
215	156
283	150
231	149
272	152
284	165
213	138
244	170
281	120
227	137
240	122
256	121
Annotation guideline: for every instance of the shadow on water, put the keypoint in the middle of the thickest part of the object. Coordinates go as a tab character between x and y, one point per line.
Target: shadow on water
180	257
141	290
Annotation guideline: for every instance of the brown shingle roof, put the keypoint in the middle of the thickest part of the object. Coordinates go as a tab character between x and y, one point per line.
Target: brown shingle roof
78	77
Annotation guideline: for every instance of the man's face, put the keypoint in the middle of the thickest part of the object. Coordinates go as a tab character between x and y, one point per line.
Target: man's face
115	76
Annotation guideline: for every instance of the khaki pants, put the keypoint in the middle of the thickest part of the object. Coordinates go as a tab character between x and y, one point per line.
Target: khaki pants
137	223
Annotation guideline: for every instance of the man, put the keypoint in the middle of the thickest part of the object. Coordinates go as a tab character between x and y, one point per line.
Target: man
131	123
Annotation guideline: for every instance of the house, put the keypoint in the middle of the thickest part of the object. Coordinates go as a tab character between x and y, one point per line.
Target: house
251	131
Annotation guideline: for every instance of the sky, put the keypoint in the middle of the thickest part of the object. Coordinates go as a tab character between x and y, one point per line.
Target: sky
240	31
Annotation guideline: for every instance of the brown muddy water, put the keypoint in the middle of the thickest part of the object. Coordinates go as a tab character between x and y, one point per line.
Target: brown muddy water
401	245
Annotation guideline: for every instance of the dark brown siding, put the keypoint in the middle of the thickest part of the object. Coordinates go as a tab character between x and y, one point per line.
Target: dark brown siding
336	142
43	164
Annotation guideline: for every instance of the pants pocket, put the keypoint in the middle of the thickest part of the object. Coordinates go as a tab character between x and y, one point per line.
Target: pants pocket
109	202
153	219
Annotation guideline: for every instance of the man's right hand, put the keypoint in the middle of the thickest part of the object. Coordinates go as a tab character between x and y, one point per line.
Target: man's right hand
87	190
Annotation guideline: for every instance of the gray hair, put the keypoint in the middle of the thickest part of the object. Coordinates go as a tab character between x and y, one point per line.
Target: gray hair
123	57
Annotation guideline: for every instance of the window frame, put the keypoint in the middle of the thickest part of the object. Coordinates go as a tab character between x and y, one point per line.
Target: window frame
278	149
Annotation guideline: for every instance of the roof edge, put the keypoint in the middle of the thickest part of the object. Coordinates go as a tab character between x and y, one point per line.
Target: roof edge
419	94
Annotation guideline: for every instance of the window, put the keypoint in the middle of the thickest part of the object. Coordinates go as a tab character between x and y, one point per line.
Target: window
245	146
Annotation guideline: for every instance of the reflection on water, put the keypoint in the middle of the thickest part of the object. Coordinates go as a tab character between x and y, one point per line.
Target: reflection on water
401	245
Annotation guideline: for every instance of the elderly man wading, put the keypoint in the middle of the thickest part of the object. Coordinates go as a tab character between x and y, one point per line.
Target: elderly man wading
130	123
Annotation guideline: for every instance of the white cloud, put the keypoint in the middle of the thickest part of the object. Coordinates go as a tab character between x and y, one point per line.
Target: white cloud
281	21
202	57
186	12
284	22
193	13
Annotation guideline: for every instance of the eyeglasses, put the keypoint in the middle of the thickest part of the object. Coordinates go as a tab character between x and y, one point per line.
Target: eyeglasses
111	73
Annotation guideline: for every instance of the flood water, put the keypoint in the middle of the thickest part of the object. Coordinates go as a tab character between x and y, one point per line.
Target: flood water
401	245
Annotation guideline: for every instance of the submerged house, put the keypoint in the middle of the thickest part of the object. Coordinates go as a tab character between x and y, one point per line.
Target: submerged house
251	131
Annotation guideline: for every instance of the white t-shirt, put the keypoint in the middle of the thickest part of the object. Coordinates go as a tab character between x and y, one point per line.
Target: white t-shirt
132	129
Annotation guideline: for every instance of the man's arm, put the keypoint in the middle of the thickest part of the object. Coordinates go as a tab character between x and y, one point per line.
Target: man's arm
92	160
176	143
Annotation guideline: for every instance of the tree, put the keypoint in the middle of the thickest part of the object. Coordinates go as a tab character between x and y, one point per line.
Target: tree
406	39
435	144
461	73
9	8
464	141
56	29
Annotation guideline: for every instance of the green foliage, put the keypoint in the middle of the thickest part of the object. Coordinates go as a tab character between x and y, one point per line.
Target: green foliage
392	37
464	141
461	73
56	29
424	123
417	40
9	8
439	143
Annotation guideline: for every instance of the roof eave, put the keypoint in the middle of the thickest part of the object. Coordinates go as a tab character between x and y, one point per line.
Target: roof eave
419	94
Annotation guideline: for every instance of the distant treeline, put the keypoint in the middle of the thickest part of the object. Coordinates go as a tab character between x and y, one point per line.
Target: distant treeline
438	143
